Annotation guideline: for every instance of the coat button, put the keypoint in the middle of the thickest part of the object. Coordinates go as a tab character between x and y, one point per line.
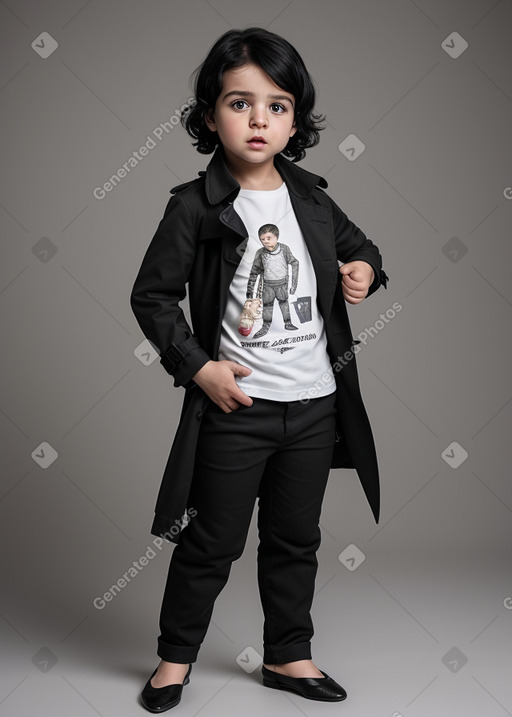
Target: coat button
199	415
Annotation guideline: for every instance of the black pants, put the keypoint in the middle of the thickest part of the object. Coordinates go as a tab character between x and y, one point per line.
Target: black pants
295	442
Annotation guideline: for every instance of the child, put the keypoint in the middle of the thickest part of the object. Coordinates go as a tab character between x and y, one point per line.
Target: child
260	419
271	263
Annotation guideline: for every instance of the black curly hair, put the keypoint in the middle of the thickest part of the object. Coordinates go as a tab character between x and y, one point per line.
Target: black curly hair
280	60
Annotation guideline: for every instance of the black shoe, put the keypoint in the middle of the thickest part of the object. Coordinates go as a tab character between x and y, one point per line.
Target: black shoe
323	688
264	329
160	699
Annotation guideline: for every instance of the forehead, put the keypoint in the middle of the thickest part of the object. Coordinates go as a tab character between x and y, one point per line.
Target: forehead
251	80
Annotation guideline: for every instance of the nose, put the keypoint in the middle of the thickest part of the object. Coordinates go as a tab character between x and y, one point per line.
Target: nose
259	116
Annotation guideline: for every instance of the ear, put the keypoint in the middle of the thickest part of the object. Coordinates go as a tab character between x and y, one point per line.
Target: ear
209	119
293	129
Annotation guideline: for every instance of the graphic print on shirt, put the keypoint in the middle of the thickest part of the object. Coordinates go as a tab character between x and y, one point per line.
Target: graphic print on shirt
272	304
270	268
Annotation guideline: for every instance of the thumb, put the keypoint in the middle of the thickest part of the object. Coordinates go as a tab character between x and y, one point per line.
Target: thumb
239	370
347	268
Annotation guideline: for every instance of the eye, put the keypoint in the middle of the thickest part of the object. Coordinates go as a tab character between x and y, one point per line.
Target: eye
237	102
282	107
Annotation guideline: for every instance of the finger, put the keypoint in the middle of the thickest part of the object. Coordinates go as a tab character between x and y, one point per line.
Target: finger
357	292
353	295
223	403
239	369
230	405
346	268
353	278
239	396
352	299
349	281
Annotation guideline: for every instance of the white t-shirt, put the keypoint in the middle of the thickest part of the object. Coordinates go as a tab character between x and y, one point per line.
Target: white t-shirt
287	347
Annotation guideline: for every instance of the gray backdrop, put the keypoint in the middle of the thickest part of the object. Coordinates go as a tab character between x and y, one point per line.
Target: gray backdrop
413	616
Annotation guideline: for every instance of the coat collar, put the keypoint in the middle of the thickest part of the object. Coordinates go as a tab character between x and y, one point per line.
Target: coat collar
219	181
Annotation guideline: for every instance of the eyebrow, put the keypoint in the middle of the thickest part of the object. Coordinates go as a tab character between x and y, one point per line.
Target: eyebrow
244	93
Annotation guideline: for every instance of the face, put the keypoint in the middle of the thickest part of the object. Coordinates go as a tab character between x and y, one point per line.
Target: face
251	104
269	241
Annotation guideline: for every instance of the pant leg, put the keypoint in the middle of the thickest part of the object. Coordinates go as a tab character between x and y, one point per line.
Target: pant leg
268	296
282	297
230	459
292	492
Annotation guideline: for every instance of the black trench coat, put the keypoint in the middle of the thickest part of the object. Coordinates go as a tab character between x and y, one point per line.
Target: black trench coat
200	240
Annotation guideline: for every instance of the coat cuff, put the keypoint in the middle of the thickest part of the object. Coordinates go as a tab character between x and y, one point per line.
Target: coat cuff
184	360
380	278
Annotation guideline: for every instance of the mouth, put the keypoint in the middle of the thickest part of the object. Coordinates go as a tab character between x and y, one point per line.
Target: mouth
256	142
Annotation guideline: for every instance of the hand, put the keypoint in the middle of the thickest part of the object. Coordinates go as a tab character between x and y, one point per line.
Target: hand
357	277
216	378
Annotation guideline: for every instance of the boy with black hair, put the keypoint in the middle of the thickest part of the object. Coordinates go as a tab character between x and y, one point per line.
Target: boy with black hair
271	263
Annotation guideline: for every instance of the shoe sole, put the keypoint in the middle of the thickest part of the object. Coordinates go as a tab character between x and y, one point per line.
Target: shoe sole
277	686
159	711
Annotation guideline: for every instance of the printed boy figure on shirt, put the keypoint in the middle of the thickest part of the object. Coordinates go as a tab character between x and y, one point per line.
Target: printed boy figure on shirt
271	261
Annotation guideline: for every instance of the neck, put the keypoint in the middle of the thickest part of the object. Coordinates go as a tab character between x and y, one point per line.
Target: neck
249	175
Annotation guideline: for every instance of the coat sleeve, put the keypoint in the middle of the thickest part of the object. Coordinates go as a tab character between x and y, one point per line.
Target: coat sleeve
294	263
353	245
256	269
160	286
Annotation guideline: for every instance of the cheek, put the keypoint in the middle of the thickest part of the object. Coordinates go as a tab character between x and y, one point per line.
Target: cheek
230	123
284	121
